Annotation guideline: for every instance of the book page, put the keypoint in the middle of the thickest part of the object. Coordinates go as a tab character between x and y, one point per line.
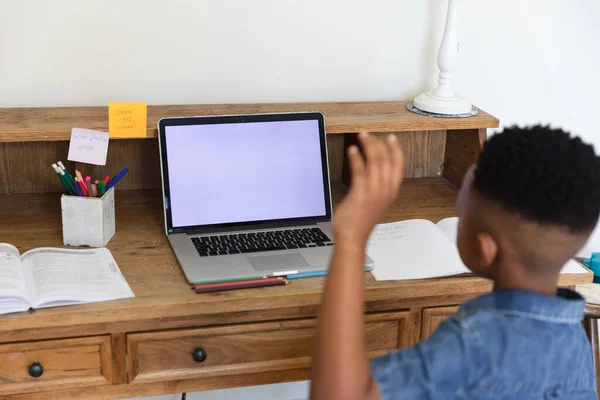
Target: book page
413	249
12	277
64	276
450	228
13	290
591	292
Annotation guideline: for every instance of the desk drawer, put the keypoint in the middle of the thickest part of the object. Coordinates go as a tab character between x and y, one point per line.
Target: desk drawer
240	349
433	317
67	363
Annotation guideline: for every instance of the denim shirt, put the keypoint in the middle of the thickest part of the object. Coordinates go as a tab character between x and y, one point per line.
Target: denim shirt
505	345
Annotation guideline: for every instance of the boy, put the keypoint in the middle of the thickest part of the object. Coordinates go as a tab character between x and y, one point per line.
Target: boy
528	206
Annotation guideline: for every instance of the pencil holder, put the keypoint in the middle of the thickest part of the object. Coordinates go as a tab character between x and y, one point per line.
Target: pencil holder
88	221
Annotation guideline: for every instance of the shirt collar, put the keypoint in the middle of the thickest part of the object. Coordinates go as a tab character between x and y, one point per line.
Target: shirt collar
565	308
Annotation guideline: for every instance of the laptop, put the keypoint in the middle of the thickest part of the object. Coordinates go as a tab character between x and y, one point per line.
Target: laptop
246	196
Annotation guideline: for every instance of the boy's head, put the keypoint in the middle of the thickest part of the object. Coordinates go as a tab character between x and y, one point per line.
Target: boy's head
529	204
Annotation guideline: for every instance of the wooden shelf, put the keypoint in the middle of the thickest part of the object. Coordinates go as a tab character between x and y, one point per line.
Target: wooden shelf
55	124
163	298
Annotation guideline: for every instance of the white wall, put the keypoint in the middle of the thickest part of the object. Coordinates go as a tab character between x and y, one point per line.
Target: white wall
523	61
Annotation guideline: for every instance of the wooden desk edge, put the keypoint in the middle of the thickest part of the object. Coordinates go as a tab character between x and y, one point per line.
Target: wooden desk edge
103	318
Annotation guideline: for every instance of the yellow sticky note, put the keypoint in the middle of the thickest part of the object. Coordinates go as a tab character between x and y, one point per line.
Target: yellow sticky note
127	120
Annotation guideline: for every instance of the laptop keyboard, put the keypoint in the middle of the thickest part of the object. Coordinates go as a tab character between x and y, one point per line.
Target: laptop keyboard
220	245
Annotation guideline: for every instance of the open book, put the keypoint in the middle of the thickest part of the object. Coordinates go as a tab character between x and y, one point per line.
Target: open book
419	249
48	277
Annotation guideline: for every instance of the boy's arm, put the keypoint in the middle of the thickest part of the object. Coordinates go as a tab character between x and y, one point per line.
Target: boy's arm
340	368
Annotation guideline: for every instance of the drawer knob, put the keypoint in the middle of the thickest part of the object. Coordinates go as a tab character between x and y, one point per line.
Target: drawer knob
200	355
36	370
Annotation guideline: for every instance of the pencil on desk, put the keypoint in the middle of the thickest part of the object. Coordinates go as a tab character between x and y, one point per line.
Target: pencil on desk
307	275
238	281
316	274
240	285
229	280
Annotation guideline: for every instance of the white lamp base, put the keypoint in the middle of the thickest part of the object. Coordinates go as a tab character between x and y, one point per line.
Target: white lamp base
442	105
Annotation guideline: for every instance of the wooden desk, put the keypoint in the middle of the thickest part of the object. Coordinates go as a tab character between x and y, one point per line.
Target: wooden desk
254	336
145	345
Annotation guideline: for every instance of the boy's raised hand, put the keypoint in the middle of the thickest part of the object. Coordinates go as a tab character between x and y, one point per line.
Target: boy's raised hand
374	187
340	359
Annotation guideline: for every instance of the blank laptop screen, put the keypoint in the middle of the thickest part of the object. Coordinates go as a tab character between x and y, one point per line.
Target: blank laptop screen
242	172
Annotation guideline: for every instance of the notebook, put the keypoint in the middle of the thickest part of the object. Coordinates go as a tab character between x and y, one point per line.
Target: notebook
420	249
591	292
48	277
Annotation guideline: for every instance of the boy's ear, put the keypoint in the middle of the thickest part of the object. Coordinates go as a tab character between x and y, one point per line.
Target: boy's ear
488	249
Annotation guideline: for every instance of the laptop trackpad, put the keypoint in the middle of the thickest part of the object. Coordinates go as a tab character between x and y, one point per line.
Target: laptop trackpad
276	262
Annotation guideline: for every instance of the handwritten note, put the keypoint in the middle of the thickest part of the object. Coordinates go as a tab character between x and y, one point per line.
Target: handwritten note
127	120
88	146
412	249
386	233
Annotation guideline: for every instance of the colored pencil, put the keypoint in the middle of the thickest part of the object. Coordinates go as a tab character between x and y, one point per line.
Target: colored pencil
62	179
106	180
78	188
249	278
88	185
240	285
61	165
316	274
116	179
82	187
307	275
67	173
65	180
80	178
71	184
237	281
94	190
102	191
68	182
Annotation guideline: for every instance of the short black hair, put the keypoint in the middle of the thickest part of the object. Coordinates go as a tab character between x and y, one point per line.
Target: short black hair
543	175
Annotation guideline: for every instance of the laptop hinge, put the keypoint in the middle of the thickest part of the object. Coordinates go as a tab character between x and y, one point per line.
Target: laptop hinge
253	227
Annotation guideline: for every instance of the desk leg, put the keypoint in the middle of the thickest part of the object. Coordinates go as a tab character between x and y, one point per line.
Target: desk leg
591	328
